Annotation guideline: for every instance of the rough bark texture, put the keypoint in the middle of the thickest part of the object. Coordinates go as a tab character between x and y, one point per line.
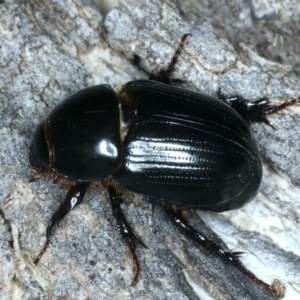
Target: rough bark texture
50	49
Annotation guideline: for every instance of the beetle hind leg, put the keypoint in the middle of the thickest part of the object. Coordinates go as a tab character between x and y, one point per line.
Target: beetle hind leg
131	240
74	197
213	247
256	111
164	75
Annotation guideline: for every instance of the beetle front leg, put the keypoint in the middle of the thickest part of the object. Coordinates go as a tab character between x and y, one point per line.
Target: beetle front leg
125	230
213	247
74	197
256	111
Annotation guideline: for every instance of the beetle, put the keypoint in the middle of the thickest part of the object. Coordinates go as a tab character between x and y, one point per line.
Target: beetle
182	148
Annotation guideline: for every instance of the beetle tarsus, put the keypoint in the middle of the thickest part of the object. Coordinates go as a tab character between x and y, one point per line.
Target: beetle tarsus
125	230
211	246
238	264
74	197
38	258
272	109
164	75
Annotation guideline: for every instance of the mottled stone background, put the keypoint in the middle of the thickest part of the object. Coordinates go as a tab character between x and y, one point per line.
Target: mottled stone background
50	49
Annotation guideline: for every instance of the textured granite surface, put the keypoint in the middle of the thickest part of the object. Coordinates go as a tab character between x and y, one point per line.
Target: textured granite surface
51	49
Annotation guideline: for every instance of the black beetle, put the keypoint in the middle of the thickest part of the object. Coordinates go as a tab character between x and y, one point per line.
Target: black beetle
183	148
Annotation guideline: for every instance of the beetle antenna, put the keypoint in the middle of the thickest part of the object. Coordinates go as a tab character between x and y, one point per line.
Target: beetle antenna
33	179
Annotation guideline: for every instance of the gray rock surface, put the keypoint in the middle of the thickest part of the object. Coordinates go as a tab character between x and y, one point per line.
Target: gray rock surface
51	49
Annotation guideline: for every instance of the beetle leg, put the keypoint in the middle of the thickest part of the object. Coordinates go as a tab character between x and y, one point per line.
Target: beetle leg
211	246
74	197
164	75
126	232
255	111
